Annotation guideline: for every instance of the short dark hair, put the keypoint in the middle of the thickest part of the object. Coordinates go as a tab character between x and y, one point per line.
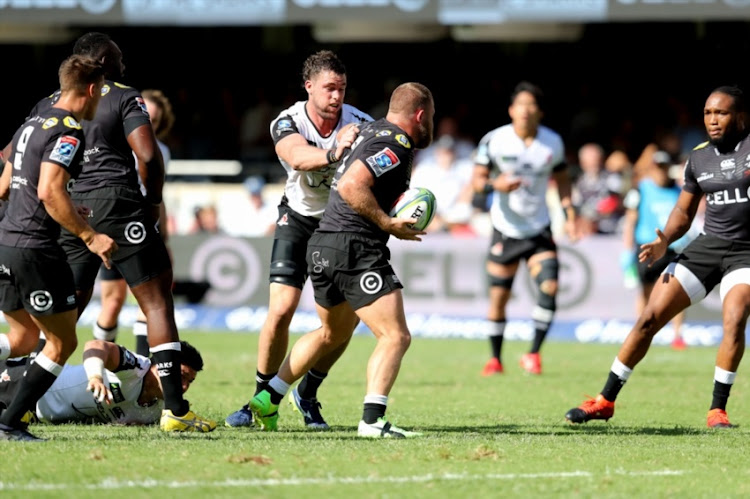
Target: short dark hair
322	60
535	90
93	44
191	357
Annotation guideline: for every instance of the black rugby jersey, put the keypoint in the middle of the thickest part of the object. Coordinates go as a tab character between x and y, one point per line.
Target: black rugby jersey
725	180
108	160
54	137
388	152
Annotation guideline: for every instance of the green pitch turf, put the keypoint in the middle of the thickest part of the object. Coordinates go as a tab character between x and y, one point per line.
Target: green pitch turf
483	437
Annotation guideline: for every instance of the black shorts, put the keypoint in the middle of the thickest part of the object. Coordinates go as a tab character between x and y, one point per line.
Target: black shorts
11	372
506	250
710	258
121	213
39	281
649	275
289	253
345	266
112	274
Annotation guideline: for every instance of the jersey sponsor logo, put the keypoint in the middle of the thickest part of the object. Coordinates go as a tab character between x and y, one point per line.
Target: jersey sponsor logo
705	176
71	299
401	139
135	232
65	149
383	133
383	161
319	263
371	282
284	126
71	122
4	270
727	197
142	104
4	376
105	89
49	123
41	300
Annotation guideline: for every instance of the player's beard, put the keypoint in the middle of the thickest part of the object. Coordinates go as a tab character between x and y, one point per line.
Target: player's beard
728	139
424	135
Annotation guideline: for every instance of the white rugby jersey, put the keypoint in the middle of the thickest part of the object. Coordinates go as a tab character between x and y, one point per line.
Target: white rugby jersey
521	213
67	400
307	192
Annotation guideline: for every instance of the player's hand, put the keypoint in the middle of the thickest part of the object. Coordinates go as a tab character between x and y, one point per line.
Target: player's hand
506	183
104	246
402	229
99	390
345	139
655	250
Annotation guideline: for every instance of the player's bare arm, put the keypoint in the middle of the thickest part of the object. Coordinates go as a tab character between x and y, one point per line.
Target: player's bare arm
565	192
53	194
5	180
301	156
150	162
355	187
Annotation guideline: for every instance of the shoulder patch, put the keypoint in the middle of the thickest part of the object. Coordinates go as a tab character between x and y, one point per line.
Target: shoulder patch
383	161
701	145
70	122
65	149
383	133
105	89
142	104
403	140
51	122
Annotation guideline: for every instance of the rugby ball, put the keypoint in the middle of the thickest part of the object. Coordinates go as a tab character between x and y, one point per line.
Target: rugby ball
415	202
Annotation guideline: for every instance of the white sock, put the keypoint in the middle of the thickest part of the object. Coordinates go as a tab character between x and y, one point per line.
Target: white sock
279	385
621	370
723	376
105	334
140	328
48	365
376	399
4	347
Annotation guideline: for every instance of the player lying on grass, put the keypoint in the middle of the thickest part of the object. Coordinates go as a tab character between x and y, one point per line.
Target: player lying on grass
113	385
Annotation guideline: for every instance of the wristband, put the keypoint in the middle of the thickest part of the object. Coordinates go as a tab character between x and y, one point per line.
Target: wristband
331	156
94	367
488	187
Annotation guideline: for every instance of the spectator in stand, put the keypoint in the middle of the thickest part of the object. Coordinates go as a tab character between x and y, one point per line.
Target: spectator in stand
597	192
206	220
449	179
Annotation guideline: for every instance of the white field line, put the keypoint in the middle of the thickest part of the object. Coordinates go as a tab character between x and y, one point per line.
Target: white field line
331	480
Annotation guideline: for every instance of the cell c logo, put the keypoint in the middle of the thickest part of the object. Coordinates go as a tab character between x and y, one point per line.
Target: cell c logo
232	268
41	300
371	283
135	233
574	280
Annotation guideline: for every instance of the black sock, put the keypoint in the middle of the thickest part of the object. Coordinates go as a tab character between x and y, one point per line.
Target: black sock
308	387
372	412
276	397
34	384
261	381
141	345
39	347
168	363
721	395
612	387
539	335
496	338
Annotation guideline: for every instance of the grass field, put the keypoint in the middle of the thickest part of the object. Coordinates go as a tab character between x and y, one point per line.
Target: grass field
482	437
